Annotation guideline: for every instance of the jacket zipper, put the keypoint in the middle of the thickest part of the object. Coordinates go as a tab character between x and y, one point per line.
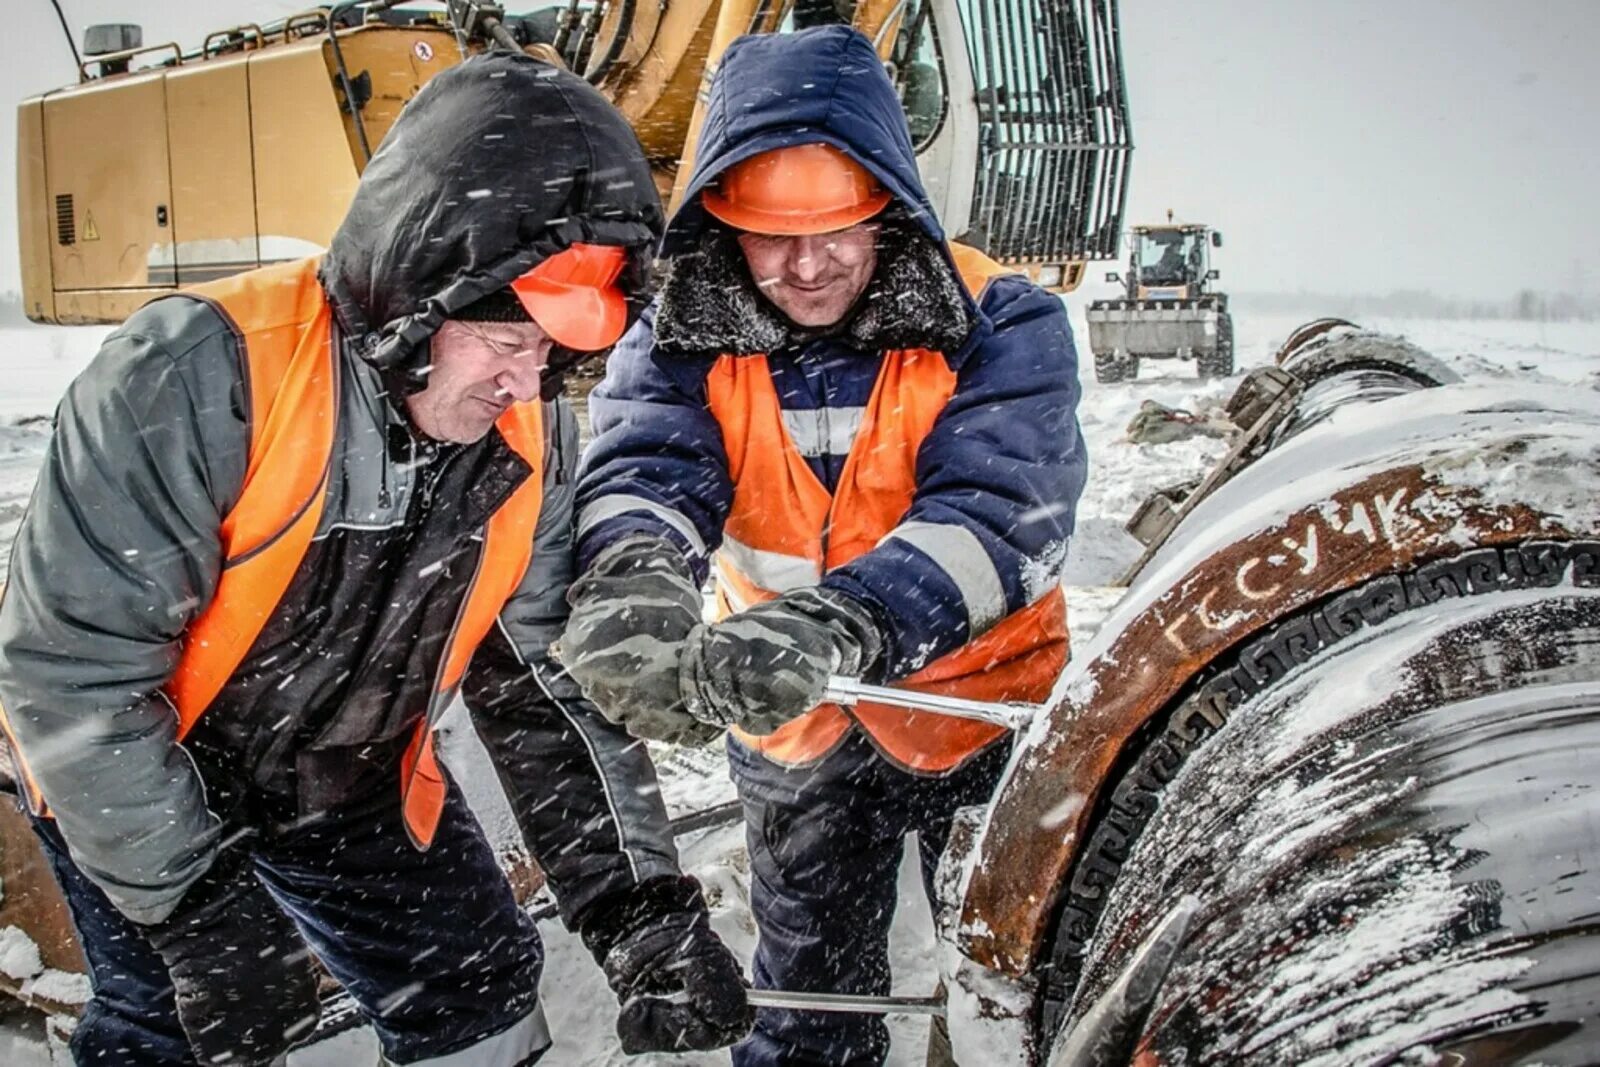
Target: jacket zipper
428	484
435	693
426	492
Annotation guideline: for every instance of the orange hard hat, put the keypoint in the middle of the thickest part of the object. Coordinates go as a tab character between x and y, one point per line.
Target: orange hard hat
805	188
574	298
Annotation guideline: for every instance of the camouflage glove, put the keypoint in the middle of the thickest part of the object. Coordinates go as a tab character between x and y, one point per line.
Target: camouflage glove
630	610
766	666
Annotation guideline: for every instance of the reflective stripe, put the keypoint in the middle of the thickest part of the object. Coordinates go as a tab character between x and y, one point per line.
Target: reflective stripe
823	431
958	552
609	507
508	1048
770	570
19	765
588	745
727	586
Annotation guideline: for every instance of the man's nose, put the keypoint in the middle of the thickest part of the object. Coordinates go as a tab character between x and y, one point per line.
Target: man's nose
808	258
520	377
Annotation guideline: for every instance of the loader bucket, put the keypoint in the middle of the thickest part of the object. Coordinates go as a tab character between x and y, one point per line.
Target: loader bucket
1154	331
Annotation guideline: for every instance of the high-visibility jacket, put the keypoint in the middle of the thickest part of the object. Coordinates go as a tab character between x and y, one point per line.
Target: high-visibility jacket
284	328
785	531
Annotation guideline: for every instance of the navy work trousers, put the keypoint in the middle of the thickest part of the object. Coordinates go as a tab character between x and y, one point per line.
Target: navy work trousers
431	945
825	844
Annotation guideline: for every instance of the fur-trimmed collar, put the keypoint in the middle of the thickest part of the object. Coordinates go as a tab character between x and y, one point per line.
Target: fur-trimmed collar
709	302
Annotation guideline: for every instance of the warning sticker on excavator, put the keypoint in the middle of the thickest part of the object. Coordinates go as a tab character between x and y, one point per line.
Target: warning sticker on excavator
89	231
424	50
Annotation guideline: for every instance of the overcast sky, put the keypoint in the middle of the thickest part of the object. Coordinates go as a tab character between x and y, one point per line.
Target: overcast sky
1353	146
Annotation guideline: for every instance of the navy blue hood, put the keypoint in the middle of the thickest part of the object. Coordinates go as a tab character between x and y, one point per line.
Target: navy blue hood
819	85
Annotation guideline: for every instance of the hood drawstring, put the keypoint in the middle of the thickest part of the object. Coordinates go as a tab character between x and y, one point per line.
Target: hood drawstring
383	414
385	501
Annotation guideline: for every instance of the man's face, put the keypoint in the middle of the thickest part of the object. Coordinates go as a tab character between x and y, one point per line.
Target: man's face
813	278
478	370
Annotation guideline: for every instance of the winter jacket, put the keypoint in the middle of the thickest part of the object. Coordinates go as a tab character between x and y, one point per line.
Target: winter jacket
119	552
1003	464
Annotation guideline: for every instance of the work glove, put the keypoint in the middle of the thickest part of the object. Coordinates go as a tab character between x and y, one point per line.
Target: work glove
770	664
244	979
680	988
630	610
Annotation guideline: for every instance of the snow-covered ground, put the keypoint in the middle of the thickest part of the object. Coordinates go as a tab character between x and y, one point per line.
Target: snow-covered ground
39	362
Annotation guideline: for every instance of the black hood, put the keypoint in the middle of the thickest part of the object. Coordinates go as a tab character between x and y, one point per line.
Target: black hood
498	163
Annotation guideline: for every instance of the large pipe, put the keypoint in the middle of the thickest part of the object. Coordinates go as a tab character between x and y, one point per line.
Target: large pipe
1361	663
1322	366
1393	847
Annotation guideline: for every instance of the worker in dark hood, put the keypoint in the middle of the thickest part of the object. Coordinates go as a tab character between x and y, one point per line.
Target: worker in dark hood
285	520
869	434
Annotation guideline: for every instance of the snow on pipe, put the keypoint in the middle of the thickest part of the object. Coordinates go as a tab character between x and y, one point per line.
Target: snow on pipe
1322	367
1418	546
1387	846
1338	363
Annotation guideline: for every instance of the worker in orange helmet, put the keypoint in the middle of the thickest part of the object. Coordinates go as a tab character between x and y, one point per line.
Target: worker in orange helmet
867	434
285	520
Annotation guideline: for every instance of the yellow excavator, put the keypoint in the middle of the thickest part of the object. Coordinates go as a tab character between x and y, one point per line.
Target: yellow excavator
164	167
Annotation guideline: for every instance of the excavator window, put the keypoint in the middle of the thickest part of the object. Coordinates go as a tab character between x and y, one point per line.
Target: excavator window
915	61
809	13
918	69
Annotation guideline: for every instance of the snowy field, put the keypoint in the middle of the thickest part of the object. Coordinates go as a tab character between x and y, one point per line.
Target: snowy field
39	362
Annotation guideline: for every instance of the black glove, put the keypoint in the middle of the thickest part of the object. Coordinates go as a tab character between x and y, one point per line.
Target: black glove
770	664
680	988
630	610
244	979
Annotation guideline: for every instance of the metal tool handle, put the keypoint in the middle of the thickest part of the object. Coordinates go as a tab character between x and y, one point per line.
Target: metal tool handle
845	1002
851	691
849	1003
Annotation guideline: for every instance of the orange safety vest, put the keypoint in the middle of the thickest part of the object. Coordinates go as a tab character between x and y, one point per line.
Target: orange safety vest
282	318
786	526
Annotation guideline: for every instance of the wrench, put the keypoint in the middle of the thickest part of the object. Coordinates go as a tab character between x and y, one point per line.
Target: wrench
859	1004
851	691
845	1002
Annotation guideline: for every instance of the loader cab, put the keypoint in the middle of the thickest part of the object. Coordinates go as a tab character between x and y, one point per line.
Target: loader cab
1171	262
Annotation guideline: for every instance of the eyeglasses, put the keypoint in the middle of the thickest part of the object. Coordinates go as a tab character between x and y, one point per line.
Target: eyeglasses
503	347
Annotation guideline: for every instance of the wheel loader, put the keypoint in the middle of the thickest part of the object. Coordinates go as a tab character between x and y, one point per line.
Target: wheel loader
1170	309
164	167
